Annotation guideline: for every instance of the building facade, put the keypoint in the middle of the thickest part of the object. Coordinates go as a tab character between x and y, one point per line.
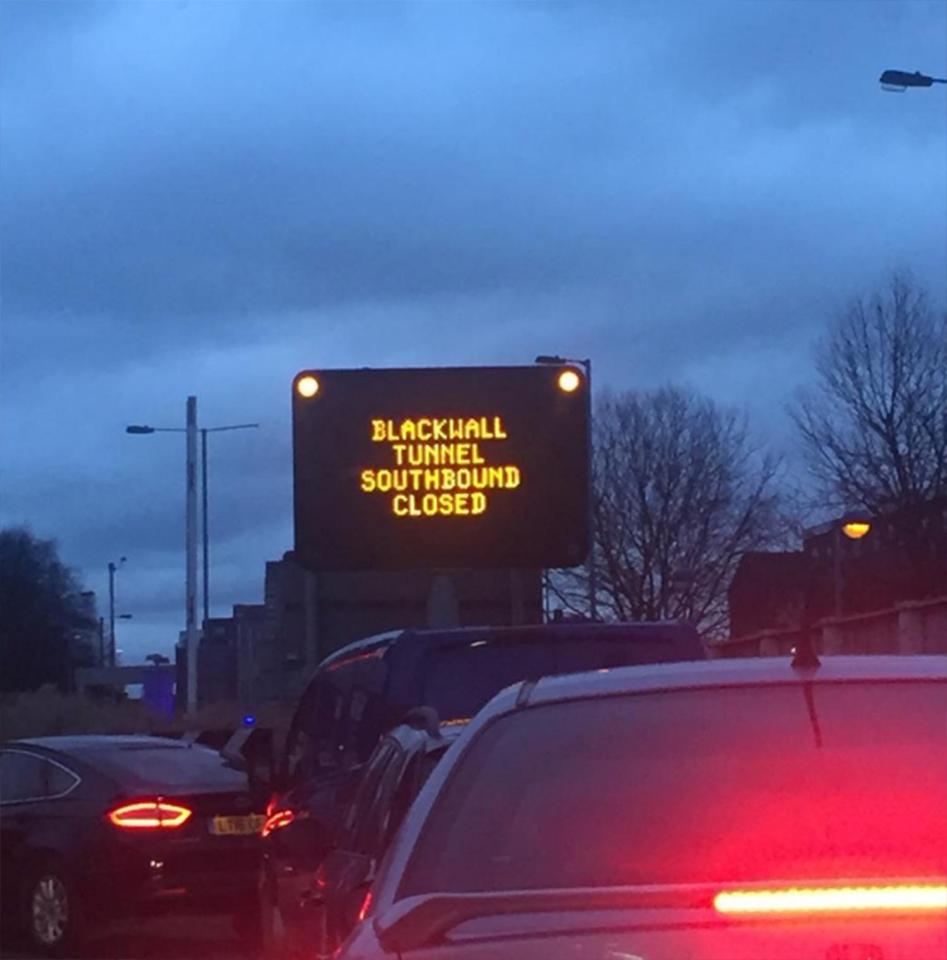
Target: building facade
884	592
267	652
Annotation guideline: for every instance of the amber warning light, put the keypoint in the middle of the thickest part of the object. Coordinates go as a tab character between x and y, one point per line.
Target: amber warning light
470	467
307	387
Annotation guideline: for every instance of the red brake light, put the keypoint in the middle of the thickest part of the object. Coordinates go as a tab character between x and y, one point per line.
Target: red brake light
365	907
277	820
150	815
893	898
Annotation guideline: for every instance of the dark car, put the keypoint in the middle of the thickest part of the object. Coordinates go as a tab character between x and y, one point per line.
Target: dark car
365	688
730	810
99	827
310	914
368	686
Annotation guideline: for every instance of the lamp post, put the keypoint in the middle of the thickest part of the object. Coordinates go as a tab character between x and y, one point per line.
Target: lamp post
897	81
587	365
854	525
112	568
89	597
191	430
116	651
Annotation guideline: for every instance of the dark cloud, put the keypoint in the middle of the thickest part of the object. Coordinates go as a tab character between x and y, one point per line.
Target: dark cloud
202	198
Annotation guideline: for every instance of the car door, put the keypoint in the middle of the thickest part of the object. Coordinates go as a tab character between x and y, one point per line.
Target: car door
300	880
29	786
348	869
302	820
15	789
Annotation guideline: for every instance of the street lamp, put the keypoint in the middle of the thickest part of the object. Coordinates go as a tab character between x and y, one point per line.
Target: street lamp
856	528
190	525
897	81
854	525
569	383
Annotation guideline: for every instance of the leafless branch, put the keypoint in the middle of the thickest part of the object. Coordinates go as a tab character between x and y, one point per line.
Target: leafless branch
874	427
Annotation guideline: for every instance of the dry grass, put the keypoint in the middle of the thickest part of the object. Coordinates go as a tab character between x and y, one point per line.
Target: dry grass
46	712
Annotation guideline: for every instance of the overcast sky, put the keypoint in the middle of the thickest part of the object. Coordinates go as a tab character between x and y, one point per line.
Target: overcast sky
206	197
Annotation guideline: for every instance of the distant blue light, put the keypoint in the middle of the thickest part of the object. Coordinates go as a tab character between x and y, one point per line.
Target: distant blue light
249	720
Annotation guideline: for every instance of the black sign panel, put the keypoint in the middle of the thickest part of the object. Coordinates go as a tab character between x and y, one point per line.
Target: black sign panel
441	468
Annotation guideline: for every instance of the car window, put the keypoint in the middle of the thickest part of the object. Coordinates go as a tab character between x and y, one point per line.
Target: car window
366	793
148	765
460	679
297	745
324	729
416	772
371	831
58	780
833	781
25	776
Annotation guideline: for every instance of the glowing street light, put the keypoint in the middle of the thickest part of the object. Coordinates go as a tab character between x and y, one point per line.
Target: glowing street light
856	529
855	524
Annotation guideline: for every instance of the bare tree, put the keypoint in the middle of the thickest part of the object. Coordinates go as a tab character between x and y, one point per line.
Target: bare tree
874	428
680	494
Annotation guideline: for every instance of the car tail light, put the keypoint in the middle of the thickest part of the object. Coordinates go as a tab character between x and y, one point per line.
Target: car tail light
365	907
150	815
276	821
893	898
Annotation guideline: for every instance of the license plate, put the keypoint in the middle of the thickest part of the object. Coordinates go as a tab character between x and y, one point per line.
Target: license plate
237	826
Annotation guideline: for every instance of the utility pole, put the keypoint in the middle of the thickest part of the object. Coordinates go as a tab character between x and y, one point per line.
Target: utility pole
112	568
206	538
111	614
593	574
589	455
190	603
190	546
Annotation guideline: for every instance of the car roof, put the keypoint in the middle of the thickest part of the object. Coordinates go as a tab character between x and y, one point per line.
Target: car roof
750	671
656	629
83	743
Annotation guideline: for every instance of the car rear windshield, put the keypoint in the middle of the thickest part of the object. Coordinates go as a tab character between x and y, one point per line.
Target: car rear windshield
460	679
159	766
827	781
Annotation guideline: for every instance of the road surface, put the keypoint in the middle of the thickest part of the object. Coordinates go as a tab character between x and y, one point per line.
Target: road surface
194	937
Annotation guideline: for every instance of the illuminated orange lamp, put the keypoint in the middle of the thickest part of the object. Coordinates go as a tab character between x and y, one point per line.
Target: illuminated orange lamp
569	381
307	386
856	529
